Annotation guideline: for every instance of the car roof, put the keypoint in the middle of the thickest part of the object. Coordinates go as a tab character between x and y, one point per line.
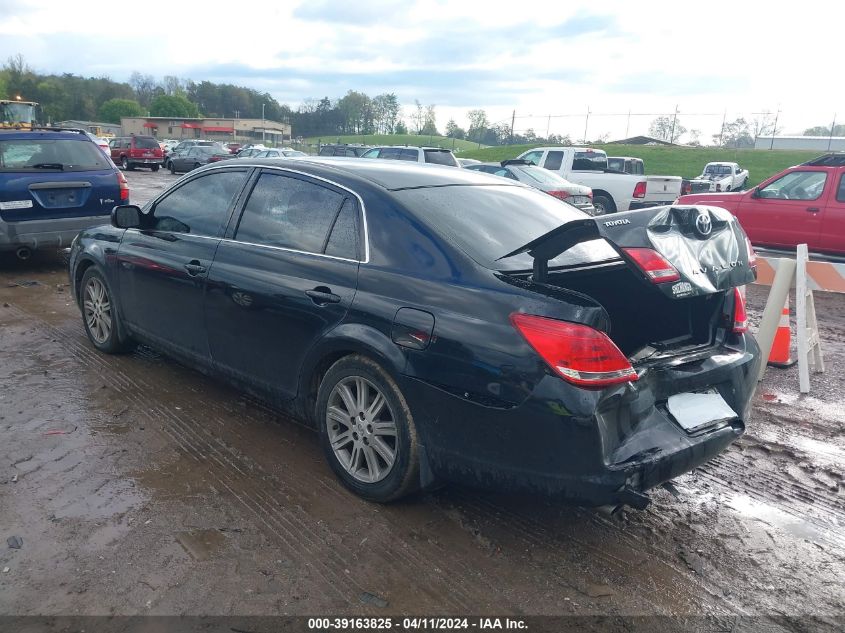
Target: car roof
79	135
442	149
389	174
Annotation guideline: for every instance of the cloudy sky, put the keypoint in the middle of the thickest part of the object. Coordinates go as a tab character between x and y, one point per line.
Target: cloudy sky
539	58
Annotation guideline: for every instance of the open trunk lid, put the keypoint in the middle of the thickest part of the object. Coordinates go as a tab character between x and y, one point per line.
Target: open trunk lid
706	245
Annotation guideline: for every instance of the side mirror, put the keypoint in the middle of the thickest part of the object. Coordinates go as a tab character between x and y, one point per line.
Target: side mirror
126	216
755	193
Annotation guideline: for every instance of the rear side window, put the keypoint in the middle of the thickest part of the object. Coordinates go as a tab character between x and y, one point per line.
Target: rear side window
289	213
553	160
344	241
391	153
200	206
37	155
145	142
408	154
440	157
589	161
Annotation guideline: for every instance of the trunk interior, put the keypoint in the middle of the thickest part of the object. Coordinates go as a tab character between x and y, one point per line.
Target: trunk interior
641	315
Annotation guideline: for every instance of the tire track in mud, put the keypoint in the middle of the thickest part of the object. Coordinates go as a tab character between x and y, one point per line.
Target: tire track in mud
287	523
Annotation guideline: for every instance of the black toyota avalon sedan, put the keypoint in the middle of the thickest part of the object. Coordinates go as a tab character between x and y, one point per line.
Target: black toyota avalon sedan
440	325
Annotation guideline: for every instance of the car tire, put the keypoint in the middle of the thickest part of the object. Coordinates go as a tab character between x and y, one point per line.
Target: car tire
124	164
604	205
375	453
154	168
197	165
99	315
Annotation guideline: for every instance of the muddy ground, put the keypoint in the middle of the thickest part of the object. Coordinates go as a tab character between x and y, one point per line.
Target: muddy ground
138	486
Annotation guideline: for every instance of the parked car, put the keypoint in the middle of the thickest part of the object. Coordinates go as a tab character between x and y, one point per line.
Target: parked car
196	157
130	152
52	185
528	173
432	155
280	153
612	191
233	148
800	205
722	177
250	152
343	149
184	145
102	143
441	325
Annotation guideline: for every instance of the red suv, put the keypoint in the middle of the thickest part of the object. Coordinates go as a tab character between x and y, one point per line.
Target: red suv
801	205
136	151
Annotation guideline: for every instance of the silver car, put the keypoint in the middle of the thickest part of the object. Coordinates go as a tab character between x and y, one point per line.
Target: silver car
528	173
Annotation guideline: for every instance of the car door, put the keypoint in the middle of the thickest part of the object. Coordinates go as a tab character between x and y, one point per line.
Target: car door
285	278
833	220
785	211
162	267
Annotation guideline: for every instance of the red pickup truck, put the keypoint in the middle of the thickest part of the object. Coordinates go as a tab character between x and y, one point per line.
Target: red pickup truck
801	205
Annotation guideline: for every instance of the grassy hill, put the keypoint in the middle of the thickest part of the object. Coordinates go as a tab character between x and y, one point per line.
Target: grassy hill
458	146
687	162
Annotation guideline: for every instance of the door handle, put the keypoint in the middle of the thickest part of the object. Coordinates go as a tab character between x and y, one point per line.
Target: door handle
813	209
322	295
194	268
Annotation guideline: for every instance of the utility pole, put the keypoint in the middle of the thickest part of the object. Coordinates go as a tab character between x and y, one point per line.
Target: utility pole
263	124
513	122
830	138
586	124
775	129
548	126
674	120
628	124
722	132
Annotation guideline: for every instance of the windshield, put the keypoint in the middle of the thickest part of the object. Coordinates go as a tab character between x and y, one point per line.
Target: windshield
62	154
17	113
487	222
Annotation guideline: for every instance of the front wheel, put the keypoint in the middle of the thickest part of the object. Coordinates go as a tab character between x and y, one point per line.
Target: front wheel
367	430
99	315
124	164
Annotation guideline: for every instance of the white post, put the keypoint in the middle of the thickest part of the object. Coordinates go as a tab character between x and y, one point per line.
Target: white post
774	306
808	331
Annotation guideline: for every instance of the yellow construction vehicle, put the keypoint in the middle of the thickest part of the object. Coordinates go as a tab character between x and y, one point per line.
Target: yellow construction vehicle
16	114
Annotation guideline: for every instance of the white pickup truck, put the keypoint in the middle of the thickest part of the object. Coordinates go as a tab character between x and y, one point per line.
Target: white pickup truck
723	177
612	190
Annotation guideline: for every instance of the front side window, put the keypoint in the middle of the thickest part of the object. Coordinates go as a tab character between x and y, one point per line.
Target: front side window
796	185
289	213
373	153
200	206
533	157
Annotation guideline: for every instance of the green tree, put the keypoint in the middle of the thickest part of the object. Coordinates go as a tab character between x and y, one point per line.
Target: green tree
478	124
113	109
430	122
666	128
824	130
400	127
453	130
173	106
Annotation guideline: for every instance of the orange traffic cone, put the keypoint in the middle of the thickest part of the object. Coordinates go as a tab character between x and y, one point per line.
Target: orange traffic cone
779	356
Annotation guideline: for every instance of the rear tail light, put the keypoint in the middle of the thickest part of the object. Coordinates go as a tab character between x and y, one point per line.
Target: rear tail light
740	320
653	264
579	354
560	195
752	255
124	187
639	190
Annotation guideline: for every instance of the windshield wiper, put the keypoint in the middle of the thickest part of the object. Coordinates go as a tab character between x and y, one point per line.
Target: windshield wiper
48	166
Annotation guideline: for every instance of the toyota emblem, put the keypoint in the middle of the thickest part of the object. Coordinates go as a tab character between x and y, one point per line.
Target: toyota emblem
703	224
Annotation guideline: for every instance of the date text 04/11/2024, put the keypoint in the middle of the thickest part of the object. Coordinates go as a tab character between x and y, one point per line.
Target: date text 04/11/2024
414	623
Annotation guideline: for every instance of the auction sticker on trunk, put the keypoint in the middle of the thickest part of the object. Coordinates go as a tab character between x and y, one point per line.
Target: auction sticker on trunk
16	204
694	411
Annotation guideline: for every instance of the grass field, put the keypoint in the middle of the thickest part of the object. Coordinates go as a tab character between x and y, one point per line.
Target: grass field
458	146
687	162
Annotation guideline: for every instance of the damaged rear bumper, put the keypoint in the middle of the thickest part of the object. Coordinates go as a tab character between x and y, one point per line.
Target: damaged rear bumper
585	447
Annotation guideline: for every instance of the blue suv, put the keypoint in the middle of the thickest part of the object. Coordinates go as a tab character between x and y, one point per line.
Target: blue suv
53	183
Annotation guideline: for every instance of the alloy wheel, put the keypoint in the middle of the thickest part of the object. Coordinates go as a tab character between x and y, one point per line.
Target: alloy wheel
361	429
97	310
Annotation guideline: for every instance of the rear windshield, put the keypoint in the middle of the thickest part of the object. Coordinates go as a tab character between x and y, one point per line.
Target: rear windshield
53	154
146	142
440	157
540	175
587	161
487	222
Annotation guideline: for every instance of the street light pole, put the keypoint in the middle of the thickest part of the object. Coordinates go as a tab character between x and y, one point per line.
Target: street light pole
263	125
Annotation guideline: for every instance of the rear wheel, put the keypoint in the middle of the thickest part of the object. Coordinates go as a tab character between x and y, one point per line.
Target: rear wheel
99	314
604	204
367	430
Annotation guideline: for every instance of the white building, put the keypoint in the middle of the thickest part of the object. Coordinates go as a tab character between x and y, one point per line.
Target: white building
820	143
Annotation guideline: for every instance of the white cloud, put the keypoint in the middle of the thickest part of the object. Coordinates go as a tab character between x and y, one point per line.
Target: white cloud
541	58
